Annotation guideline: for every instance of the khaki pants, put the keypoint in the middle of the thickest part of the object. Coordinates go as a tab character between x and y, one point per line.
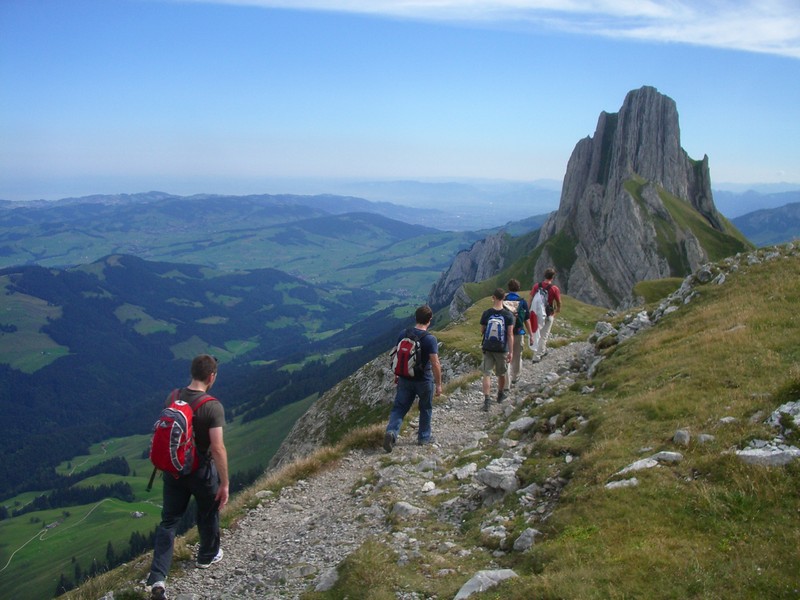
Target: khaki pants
544	333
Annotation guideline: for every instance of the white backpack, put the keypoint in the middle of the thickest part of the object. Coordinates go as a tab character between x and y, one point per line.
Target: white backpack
540	305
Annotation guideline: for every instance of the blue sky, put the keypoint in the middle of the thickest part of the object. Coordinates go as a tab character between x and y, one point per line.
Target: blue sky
123	96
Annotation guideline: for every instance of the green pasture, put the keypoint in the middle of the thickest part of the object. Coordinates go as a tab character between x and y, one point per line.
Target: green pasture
22	345
144	324
253	444
36	548
195	345
130	448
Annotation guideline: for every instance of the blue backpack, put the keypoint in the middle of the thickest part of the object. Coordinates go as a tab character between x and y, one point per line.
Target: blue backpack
494	338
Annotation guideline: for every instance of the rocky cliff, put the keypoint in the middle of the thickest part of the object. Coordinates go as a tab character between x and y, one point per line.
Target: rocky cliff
485	258
634	206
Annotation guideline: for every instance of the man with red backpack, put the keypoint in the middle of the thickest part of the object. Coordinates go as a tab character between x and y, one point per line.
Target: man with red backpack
545	301
207	481
417	376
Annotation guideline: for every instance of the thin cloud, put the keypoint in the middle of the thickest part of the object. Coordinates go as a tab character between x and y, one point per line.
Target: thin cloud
765	26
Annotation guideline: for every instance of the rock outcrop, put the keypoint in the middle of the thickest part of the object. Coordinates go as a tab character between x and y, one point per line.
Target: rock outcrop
485	258
634	206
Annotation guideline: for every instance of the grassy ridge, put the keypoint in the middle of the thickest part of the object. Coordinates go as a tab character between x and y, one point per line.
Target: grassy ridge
709	526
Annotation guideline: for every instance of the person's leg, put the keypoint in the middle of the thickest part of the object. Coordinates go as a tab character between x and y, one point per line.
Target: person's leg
502	368
516	360
403	400
488	369
175	500
205	483
544	335
425	393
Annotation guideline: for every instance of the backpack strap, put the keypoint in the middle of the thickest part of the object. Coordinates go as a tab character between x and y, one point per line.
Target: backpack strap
411	332
199	401
174	395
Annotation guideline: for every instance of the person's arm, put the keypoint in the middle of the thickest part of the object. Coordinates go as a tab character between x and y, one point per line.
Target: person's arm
526	323
220	456
556	302
510	335
436	367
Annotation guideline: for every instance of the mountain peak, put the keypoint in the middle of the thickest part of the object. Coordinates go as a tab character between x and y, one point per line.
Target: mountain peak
634	206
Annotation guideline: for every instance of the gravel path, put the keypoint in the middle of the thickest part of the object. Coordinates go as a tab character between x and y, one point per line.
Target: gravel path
293	542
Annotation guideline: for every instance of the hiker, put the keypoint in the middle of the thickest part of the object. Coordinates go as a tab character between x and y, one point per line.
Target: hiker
208	484
497	329
426	381
545	301
518	307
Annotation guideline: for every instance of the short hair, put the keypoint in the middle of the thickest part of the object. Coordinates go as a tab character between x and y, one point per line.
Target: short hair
203	367
549	273
423	314
513	285
499	293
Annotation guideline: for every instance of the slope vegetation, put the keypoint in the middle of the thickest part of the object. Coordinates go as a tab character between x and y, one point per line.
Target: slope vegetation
698	382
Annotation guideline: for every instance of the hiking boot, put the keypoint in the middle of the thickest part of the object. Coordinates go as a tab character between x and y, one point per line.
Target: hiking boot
158	591
430	440
389	440
486	403
536	358
216	559
501	395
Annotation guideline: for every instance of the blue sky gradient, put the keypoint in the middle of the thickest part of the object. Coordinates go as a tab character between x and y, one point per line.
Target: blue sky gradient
113	96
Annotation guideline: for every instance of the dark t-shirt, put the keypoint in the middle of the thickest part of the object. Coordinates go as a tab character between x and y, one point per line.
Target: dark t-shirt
428	345
211	414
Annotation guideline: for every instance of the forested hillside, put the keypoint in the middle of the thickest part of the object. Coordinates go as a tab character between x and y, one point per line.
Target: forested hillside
93	350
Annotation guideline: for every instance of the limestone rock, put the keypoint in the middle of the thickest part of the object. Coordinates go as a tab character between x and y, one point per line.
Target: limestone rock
485	258
482	581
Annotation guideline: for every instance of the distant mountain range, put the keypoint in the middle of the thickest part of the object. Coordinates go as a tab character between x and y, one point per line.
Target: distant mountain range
322	239
737	204
771	226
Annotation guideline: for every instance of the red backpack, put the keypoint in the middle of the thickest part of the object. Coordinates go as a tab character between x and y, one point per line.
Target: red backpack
406	356
172	448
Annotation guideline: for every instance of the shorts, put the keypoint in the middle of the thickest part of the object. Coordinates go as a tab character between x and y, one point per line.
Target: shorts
494	362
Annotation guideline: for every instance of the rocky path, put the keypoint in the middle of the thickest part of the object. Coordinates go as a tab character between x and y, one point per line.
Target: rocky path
293	542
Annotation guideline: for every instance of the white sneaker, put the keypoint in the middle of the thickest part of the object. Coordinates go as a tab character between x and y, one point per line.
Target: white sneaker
158	591
216	559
